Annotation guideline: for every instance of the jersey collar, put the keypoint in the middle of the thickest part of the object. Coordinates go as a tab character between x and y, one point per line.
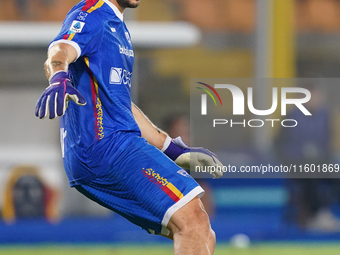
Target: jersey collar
115	9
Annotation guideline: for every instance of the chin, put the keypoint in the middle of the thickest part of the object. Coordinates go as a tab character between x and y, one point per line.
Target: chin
134	3
128	3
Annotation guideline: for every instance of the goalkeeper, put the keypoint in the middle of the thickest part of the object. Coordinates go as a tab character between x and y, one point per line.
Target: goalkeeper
112	153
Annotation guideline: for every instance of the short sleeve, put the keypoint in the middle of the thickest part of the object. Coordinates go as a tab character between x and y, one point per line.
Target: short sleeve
82	31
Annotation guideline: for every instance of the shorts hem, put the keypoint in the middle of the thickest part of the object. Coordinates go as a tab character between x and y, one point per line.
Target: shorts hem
197	191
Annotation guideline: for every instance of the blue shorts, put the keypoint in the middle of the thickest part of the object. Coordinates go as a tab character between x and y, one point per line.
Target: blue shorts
144	186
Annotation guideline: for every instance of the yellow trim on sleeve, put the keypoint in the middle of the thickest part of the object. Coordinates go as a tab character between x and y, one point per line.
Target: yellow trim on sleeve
98	5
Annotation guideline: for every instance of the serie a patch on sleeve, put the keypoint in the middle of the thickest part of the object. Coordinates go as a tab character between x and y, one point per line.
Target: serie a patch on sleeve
77	26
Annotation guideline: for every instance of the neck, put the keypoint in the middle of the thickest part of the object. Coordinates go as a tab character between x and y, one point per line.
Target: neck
121	9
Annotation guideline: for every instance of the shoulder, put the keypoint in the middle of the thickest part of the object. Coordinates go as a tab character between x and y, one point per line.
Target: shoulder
87	12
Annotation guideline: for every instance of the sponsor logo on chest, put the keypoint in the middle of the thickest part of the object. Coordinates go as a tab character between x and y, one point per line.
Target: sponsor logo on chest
126	51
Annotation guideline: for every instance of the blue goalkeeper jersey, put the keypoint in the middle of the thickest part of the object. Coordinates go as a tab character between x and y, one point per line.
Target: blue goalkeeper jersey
94	135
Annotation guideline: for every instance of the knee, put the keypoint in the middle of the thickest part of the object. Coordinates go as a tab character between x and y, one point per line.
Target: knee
199	223
193	221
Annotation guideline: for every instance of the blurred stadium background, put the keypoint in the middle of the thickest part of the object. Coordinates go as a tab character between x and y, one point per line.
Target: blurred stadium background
193	39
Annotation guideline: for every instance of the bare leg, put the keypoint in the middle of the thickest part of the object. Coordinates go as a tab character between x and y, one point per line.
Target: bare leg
192	233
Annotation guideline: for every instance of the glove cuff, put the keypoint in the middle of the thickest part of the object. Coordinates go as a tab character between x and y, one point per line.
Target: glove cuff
166	143
60	74
174	148
178	141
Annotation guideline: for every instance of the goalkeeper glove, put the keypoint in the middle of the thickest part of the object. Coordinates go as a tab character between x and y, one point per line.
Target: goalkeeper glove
187	157
54	100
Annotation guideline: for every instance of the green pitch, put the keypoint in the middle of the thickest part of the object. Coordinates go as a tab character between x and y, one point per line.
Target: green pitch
260	249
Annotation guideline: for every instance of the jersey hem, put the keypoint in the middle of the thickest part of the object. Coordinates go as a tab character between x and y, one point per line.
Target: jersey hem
82	180
129	138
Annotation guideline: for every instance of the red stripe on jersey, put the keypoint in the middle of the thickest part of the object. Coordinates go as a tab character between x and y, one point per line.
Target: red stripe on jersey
170	193
65	36
95	113
94	103
88	4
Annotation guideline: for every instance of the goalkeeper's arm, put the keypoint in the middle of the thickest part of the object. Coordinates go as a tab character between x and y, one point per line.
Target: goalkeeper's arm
176	149
150	132
59	57
54	100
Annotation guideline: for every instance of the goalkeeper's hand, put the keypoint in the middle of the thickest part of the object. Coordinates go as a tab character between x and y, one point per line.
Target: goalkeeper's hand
188	158
54	100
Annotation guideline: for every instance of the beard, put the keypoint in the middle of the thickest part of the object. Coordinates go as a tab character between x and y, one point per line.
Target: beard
128	3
